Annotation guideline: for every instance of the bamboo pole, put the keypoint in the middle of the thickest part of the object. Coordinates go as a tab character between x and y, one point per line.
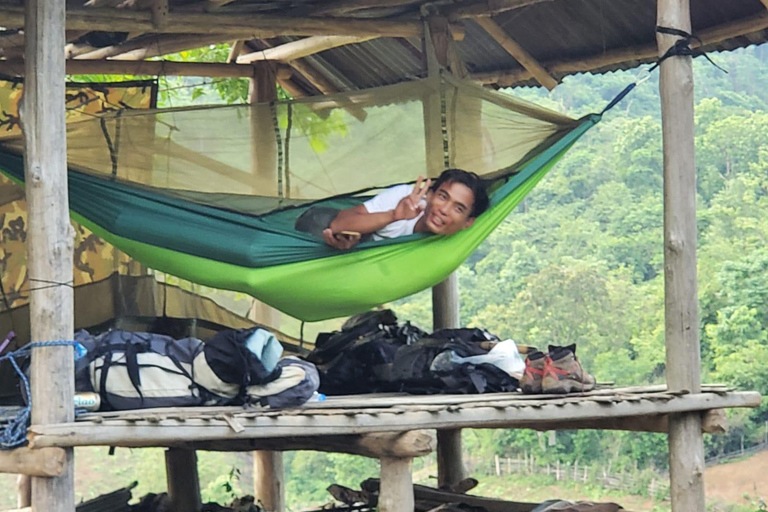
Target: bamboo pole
686	446
301	48
51	238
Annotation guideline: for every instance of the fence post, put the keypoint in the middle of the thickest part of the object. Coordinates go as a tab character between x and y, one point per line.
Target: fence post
509	465
498	466
557	470
585	473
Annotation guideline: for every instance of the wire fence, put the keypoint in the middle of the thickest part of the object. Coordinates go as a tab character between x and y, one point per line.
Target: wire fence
647	482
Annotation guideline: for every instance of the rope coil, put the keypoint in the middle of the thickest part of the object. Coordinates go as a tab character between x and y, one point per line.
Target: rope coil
14	434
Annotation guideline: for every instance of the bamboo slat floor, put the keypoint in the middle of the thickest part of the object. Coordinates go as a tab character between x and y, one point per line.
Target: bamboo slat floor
360	414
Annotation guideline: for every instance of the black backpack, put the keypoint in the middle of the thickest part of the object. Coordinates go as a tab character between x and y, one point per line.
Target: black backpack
412	369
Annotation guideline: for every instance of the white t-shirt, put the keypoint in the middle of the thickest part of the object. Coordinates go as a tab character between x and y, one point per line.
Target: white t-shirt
387	201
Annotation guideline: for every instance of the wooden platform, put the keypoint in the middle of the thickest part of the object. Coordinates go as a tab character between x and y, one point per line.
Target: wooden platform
239	428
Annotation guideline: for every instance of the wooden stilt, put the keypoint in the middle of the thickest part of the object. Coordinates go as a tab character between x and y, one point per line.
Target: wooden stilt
445	296
268	480
450	464
51	237
686	448
183	480
24	491
445	303
396	491
268	474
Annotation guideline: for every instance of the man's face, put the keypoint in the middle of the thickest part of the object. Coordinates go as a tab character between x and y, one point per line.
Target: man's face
448	209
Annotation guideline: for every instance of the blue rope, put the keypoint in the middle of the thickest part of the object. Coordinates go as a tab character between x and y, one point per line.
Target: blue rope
14	434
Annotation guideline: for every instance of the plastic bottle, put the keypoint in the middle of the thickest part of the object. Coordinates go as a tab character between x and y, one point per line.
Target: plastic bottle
317	397
87	401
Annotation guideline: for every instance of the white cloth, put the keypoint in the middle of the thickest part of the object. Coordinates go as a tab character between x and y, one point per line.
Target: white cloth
387	201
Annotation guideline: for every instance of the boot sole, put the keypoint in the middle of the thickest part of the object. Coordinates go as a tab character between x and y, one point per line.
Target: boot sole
565	387
528	390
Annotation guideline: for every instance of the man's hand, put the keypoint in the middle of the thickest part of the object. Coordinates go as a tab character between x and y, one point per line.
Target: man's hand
341	241
410	206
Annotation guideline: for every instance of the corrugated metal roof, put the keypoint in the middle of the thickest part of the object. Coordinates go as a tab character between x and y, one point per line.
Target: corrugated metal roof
553	32
565	36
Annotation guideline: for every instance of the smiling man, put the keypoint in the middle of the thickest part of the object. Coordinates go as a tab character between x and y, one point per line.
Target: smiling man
445	207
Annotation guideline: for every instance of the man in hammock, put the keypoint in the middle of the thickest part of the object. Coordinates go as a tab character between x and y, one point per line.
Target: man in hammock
450	204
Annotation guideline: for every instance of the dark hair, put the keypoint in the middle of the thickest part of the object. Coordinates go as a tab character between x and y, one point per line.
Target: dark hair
472	181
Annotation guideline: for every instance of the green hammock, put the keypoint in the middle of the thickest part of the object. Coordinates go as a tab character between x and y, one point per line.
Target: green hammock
189	234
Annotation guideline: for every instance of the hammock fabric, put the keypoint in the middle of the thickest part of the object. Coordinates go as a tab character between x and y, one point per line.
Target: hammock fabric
135	181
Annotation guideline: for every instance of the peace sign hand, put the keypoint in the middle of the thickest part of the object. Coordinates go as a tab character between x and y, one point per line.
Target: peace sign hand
410	206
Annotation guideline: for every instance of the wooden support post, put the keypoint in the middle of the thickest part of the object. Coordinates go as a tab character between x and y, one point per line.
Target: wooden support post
183	480
268	474
269	481
683	359
445	295
23	491
396	491
51	237
445	303
159	14
450	464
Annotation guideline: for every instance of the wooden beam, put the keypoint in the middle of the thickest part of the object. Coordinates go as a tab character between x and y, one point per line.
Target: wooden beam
483	8
255	25
24	461
301	48
422	493
150	68
518	52
637	54
765	3
235	50
168	45
291	88
155	45
681	313
50	237
410	444
337	7
183	480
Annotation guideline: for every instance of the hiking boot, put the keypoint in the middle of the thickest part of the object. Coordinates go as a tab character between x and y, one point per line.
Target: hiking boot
534	372
563	372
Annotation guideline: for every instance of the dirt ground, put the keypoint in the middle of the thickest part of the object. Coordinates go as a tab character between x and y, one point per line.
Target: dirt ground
738	482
